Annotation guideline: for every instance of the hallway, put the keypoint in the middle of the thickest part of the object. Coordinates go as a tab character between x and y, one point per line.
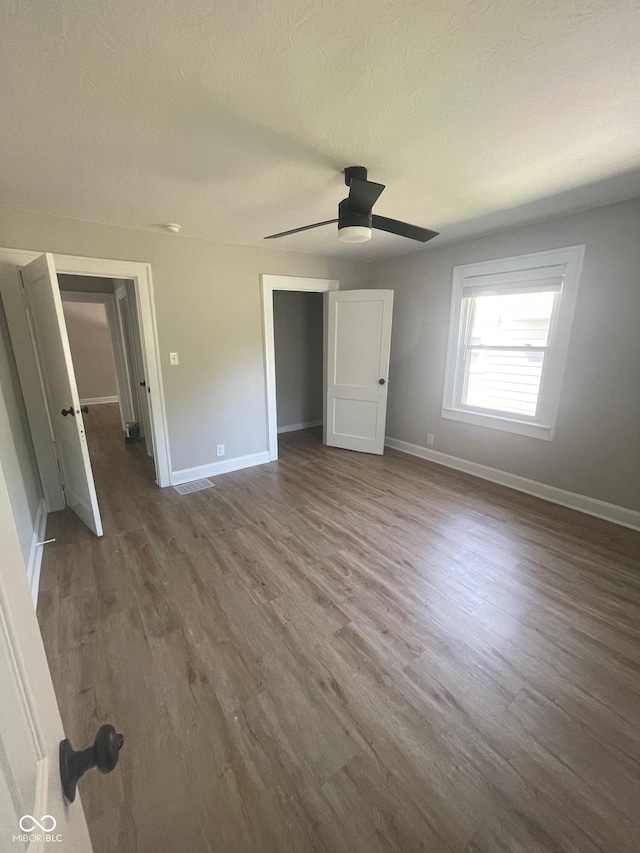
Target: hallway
342	652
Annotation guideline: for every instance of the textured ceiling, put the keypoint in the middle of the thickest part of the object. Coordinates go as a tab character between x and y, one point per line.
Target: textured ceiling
235	118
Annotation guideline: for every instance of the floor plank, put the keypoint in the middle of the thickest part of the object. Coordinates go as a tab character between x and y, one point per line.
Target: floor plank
342	652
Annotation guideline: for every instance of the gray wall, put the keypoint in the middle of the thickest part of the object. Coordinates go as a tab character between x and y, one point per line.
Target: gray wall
297	325
208	308
91	349
16	449
596	450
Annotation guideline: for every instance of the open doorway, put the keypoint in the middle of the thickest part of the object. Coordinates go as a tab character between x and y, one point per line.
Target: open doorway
91	349
298	349
274	289
356	342
105	341
106	347
36	319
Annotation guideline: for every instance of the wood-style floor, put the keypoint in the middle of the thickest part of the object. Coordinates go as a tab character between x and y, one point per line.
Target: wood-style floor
340	652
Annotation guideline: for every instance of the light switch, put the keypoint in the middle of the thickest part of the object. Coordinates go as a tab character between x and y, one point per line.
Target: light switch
173	359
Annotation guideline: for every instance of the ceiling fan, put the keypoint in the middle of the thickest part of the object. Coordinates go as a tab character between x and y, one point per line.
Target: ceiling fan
355	218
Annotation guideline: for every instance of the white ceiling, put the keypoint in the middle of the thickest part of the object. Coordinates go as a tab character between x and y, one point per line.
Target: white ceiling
235	118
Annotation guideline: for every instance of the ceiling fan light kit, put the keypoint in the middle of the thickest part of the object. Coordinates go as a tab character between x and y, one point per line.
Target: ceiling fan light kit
355	217
354	234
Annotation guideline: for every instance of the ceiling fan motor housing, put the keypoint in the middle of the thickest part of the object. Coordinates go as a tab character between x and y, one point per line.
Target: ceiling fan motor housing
348	218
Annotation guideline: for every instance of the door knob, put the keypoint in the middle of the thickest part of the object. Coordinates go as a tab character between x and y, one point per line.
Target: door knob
381	381
68	411
84	409
142	383
103	755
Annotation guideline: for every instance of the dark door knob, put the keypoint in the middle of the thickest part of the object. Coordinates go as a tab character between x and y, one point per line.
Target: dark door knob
142	383
381	381
103	755
84	409
68	411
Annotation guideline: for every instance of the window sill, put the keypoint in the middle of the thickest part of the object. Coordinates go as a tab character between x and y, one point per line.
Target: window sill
491	421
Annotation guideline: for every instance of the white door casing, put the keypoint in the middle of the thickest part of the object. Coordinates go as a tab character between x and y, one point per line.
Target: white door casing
357	346
30	724
46	316
268	284
11	261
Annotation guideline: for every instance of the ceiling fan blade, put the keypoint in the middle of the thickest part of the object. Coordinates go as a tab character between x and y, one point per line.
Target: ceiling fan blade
363	195
393	226
297	230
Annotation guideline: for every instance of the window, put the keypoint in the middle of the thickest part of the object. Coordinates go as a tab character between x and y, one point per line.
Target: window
508	340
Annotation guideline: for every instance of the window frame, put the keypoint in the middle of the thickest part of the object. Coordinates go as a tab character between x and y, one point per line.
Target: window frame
504	274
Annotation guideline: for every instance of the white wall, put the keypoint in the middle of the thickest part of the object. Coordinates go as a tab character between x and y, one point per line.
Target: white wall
208	305
91	349
16	449
596	450
298	332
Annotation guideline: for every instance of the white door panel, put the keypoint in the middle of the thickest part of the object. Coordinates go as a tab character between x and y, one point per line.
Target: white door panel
30	725
46	316
358	340
355	418
357	344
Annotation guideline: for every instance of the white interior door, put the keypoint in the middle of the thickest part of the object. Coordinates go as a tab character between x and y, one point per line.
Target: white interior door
126	298
31	801
46	316
358	339
143	390
125	401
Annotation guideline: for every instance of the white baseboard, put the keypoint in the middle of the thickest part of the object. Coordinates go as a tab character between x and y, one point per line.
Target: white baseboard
213	469
95	401
296	427
35	552
582	503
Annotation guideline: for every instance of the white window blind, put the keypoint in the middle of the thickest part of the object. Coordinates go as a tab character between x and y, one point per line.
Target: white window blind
507	336
505	355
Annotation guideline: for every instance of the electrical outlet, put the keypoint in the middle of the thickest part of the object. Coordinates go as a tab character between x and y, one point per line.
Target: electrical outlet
220	450
430	438
174	359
